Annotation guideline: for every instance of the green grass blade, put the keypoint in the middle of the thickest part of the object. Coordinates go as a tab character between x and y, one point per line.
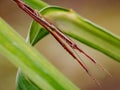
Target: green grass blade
36	33
24	83
32	64
84	31
36	4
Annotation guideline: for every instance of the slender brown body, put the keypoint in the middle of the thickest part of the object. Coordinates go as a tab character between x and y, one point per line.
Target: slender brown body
60	37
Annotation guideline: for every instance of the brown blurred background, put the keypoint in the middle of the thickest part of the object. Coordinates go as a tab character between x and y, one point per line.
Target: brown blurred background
103	12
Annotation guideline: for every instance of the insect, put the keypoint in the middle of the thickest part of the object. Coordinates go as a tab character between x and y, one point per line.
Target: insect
65	41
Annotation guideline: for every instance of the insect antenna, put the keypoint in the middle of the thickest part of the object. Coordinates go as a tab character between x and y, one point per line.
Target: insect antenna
94	61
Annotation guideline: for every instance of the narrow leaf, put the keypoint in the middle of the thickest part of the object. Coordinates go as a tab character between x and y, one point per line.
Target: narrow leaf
84	31
36	33
24	83
32	64
36	4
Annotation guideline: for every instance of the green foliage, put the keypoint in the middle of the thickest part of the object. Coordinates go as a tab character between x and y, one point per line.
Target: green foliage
37	72
36	4
24	83
80	29
32	64
84	31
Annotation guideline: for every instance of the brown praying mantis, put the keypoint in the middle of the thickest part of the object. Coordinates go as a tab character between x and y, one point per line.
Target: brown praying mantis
65	41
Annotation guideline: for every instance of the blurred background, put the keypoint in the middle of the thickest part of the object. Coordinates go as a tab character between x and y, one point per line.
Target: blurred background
105	13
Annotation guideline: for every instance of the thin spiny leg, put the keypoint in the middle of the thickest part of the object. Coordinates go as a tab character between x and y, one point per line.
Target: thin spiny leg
94	61
78	56
90	58
92	77
59	39
74	46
